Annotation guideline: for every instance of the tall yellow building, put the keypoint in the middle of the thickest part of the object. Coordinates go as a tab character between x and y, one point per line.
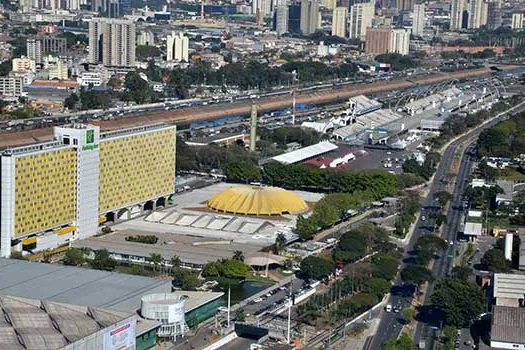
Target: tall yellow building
59	191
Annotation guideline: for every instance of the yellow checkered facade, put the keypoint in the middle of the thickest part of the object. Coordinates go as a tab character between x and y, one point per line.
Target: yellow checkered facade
136	168
45	190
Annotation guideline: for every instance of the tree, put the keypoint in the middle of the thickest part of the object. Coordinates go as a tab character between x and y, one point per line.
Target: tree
397	61
377	286
145	52
326	215
384	266
238	255
240	316
74	257
185	279
280	242
242	171
103	261
443	197
306	227
460	301
115	82
137	88
212	269
461	272
416	274
175	262
71	101
404	342
431	243
91	99
234	269
5	68
156	260
494	260
316	268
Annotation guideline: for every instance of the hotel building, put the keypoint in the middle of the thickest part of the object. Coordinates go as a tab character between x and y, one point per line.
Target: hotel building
62	190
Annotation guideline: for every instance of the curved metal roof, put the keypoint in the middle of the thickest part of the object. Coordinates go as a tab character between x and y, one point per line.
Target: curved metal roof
251	200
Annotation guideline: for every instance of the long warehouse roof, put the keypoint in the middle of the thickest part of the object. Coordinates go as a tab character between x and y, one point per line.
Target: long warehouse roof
79	286
305	153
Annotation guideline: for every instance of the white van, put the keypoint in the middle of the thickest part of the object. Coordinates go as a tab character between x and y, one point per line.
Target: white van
388	308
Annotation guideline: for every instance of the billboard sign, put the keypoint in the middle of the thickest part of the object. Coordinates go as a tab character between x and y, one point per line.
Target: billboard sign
121	337
90	136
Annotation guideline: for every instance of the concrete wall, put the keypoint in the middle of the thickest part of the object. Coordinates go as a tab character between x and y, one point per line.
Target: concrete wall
503	345
507	302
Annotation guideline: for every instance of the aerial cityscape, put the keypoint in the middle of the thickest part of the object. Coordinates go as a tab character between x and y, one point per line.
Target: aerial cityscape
264	174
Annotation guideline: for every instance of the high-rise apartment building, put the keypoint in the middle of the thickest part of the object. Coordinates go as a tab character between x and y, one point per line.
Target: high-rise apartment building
418	22
309	16
23	64
25	5
34	50
177	47
329	4
145	38
294	18
339	19
281	19
58	70
72	5
262	9
477	13
401	41
59	191
109	8
11	86
361	16
404	5
457	8
112	42
517	20
387	40
494	14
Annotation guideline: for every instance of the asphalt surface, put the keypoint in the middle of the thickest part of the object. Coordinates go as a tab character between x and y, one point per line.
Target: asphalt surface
444	264
216	111
390	325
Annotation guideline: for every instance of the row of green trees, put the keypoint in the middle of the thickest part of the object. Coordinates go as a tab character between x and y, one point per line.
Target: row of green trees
425	170
147	239
457	124
408	209
329	210
233	268
362	284
506	139
368	184
425	249
397	61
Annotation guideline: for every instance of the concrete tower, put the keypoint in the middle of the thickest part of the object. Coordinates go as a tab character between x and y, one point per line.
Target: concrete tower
253	127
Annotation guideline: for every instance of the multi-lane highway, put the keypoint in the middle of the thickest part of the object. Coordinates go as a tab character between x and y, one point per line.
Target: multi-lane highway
35	131
389	327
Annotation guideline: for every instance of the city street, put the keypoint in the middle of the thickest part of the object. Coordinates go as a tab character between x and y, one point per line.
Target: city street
390	327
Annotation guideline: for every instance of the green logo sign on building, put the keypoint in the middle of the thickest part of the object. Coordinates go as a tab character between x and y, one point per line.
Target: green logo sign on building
90	136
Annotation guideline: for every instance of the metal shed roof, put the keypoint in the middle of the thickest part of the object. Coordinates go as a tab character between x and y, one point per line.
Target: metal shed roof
508	324
73	285
305	153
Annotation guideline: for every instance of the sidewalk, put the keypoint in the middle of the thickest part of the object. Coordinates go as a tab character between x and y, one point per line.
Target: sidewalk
358	341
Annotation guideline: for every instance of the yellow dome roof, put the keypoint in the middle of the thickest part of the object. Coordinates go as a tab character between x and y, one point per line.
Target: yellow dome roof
250	200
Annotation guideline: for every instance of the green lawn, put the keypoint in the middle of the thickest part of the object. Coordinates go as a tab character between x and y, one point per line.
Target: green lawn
512	174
